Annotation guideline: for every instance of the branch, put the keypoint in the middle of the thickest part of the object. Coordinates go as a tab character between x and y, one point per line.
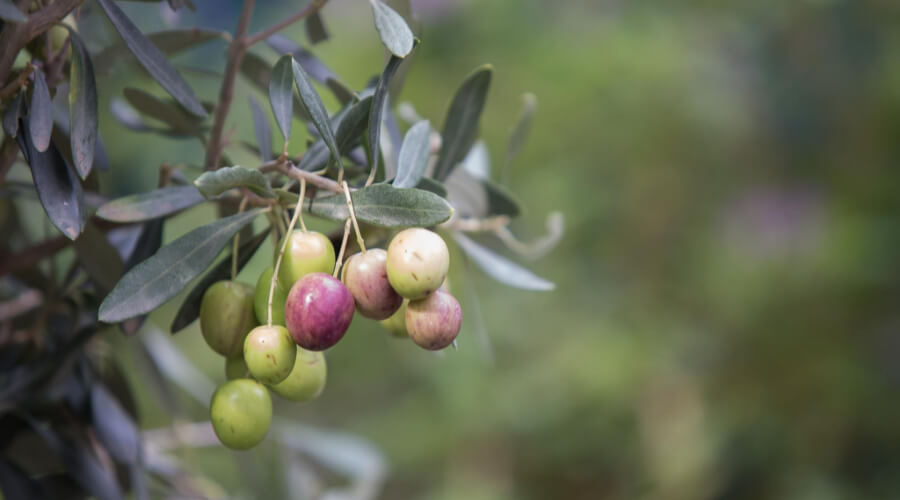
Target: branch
15	36
236	51
307	11
314	179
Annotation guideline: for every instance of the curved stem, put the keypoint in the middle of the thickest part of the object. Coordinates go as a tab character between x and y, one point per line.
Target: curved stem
284	244
340	257
359	238
302	195
237	241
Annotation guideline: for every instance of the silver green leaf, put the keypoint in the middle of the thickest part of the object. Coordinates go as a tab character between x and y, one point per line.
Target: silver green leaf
281	91
145	206
159	278
393	30
461	122
500	268
216	182
40	114
82	107
386	206
312	103
261	129
413	155
169	42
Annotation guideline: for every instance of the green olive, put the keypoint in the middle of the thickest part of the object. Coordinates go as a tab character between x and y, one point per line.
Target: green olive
226	316
417	262
236	368
307	379
396	324
241	413
269	352
306	252
261	299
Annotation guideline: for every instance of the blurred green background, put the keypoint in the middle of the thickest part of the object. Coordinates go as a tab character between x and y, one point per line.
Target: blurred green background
726	321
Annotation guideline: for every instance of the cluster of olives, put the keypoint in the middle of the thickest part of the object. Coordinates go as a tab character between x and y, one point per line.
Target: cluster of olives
311	311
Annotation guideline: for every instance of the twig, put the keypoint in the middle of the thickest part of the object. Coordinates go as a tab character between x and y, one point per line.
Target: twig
236	51
287	238
307	11
15	36
316	180
18	83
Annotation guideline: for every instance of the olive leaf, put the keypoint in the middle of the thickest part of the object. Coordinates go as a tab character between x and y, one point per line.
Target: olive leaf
474	197
378	104
40	115
350	124
190	308
9	12
261	129
82	106
115	428
259	73
386	206
159	278
152	59
313	66
169	42
393	30
312	103
281	92
164	110
150	205
413	155
216	182
99	258
500	268
461	122
519	133
15	111
315	28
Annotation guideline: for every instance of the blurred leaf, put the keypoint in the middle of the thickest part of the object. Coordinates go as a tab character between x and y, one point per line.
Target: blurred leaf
461	122
478	161
314	107
164	110
413	155
190	308
378	104
386	206
11	118
479	198
520	131
261	129
40	115
259	72
99	258
57	185
315	28
152	59
147	244
161	277
15	483
281	92
127	115
313	66
11	13
169	42
431	185
500	268
82	106
150	205
393	30
350	124
216	182
114	426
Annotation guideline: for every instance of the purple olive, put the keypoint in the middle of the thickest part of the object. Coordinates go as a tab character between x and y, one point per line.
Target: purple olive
433	322
318	311
365	275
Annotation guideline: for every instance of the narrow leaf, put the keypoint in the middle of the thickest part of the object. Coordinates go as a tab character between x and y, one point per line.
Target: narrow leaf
99	258
261	129
259	72
315	29
350	124
385	206
520	131
190	308
165	111
40	115
461	122
114	426
216	182
478	161
479	198
145	206
501	269
169	42
147	244
152	59
433	186
57	185
281	91
159	278
82	107
393	30
381	91
11	13
413	155
313	66
312	103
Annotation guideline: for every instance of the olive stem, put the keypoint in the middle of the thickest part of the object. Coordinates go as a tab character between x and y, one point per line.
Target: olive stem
337	262
302	195
284	244
359	238
237	241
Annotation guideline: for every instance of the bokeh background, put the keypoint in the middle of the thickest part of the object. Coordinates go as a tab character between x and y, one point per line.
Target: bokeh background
726	319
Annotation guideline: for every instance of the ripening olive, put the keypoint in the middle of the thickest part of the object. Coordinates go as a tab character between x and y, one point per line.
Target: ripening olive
307	379
396	324
269	352
226	316
236	368
261	299
318	311
417	262
306	252
241	413
365	275
434	321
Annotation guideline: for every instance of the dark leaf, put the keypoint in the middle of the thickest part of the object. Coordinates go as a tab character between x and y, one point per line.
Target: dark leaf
461	122
82	465
313	66
161	277
127	115
114	426
262	130
99	258
61	130
40	114
350	125
413	155
9	12
259	72
315	29
164	110
169	42
11	118
281	92
216	182
393	30
152	59
522	127
147	244
150	205
431	185
82	107
57	185
312	103
500	268
190	308
381	91
14	482
386	206
478	198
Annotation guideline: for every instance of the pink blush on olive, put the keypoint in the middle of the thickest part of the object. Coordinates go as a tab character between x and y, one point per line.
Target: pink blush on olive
318	311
